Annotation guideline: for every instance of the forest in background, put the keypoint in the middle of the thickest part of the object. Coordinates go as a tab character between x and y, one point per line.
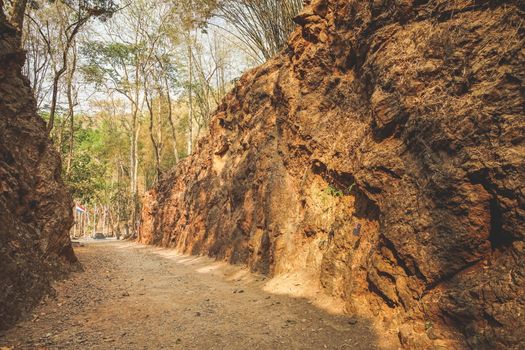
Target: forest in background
128	87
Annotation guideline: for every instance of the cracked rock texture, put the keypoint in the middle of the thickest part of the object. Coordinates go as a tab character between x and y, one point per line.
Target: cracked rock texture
35	208
381	154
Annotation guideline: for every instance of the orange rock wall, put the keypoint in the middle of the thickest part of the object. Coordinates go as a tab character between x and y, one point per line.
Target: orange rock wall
381	153
35	207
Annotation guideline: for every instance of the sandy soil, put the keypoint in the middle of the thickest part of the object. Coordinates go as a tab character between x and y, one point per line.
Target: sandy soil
138	297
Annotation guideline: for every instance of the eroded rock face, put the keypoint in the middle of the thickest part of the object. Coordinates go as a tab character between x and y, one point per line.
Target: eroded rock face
382	153
35	207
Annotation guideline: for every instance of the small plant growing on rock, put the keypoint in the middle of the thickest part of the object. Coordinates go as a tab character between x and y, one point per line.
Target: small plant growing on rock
332	191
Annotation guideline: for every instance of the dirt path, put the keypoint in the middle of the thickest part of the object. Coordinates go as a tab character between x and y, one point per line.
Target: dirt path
136	297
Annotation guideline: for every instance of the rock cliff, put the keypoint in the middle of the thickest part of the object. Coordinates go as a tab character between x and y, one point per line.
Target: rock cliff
35	208
382	153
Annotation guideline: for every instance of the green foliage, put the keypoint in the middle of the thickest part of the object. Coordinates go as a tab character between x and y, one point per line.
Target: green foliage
86	177
332	191
93	74
106	62
96	145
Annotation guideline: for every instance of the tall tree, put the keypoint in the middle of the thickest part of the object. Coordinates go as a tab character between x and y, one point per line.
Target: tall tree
36	40
71	103
80	12
164	72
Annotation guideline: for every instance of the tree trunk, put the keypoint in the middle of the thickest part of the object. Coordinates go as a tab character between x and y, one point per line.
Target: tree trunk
170	117
61	71
190	98
149	104
134	167
54	99
71	112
